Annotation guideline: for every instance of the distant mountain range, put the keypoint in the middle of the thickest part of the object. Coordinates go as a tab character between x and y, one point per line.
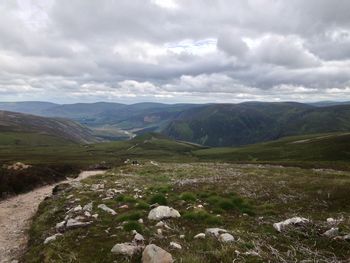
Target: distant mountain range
207	124
63	129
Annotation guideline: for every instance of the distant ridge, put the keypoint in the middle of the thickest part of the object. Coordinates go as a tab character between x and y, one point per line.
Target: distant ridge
57	127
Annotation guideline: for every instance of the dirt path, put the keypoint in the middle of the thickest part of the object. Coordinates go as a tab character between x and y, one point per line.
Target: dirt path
15	216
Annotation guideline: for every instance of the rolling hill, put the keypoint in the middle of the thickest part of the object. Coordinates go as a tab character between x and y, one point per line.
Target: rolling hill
249	123
21	128
215	125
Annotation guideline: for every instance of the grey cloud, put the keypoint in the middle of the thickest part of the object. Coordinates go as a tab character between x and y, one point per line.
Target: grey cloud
190	51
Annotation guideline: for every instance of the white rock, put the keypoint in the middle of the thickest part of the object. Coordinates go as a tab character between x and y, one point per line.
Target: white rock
127	249
159	231
73	223
226	238
52	238
162	212
140	221
160	224
175	245
182	236
333	232
95	216
215	231
60	225
199	236
155	254
87	214
77	208
88	207
107	209
138	238
280	226
347	237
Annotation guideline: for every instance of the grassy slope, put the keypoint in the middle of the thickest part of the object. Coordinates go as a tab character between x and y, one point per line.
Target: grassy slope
267	194
60	128
248	123
328	150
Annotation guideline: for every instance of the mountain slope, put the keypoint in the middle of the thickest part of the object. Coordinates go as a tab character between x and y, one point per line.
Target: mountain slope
248	123
60	128
29	107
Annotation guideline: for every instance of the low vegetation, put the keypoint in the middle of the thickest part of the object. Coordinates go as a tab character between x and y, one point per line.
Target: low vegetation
244	199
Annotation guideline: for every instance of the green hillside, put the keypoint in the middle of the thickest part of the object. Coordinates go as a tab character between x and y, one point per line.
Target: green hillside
62	129
318	150
249	123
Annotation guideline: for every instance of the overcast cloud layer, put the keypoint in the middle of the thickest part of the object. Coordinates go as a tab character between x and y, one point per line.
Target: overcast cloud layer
174	50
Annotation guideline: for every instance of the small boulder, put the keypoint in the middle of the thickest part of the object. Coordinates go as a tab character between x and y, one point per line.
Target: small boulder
107	209
333	232
280	226
215	231
199	236
163	212
127	249
88	207
175	245
52	238
138	239
226	238
155	254
74	223
60	226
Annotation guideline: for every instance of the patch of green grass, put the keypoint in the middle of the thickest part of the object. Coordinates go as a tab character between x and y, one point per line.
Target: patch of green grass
186	196
158	199
130	216
132	225
202	217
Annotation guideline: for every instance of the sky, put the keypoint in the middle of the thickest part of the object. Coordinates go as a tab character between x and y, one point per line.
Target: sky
189	51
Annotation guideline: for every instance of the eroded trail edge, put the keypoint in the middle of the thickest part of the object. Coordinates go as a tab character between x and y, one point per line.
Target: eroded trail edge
16	214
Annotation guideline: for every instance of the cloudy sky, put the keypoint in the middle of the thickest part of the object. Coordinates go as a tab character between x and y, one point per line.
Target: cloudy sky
174	50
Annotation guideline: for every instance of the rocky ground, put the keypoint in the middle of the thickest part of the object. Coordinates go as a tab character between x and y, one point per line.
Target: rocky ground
15	218
200	212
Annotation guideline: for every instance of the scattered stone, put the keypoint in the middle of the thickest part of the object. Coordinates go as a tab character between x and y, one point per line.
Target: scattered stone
97	187
87	214
127	249
155	254
175	245
18	166
140	221
333	232
159	231
95	216
138	239
74	223
182	236
162	212
77	208
52	238
60	226
199	236
226	238
160	224
280	226
124	207
346	237
88	207
215	231
107	209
